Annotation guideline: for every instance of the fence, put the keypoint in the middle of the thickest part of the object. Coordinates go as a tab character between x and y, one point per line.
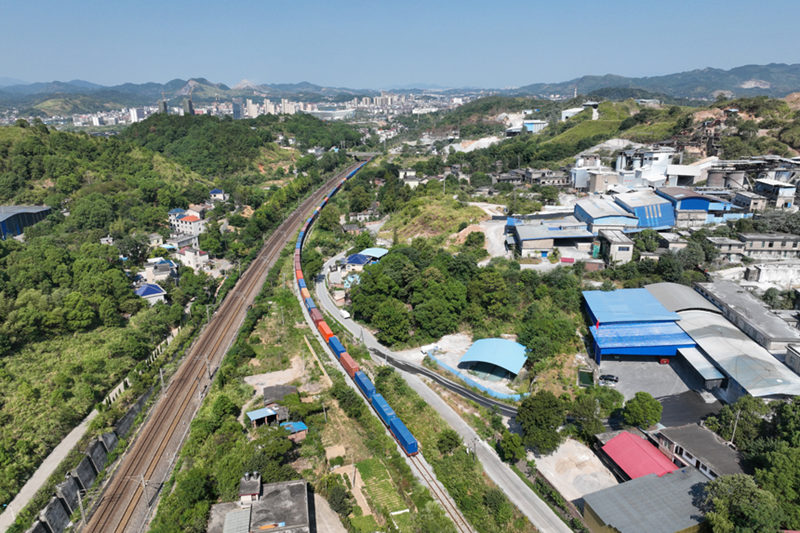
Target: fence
472	383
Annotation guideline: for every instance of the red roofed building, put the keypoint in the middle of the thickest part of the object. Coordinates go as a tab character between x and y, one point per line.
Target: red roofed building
189	225
193	258
637	457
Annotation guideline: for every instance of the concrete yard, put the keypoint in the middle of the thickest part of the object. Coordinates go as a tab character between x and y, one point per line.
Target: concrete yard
644	375
575	470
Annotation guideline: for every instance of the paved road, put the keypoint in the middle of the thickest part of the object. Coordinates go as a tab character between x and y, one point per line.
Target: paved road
517	491
43	473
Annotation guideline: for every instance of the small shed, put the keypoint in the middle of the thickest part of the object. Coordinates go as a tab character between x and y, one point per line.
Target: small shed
262	416
297	430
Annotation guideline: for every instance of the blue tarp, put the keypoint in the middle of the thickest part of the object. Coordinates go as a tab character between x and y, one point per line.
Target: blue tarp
504	353
626	305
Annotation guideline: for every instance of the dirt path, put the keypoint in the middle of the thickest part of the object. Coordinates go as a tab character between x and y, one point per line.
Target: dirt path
351	471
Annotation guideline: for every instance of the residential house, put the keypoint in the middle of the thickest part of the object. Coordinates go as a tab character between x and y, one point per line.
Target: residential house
615	246
779	193
729	249
189	225
193	258
151	292
770	245
159	269
218	195
297	430
697	446
750	201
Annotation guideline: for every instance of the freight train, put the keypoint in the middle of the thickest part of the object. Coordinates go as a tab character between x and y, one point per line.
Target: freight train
396	426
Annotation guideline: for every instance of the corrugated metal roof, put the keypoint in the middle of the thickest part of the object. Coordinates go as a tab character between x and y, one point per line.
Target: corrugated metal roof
676	297
653	504
640	198
258	414
702	365
149	289
294	427
7	211
738	356
358	259
237	521
637	457
504	353
644	334
377	253
626	305
599	207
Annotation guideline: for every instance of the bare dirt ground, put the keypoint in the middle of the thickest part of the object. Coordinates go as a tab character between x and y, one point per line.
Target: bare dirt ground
327	520
575	470
793	100
281	377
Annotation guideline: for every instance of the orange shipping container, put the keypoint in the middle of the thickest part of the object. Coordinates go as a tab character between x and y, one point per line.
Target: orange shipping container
350	366
304	292
324	330
299	274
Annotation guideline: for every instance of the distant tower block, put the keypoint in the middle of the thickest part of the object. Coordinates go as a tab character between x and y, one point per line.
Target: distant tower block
188	107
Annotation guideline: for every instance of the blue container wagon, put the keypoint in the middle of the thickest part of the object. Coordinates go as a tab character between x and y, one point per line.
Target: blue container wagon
310	304
337	346
383	408
364	384
403	436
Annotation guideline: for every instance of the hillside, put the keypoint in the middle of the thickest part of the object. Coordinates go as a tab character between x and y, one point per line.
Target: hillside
775	79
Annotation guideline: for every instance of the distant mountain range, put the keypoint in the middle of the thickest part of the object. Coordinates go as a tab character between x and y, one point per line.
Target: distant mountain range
775	79
76	96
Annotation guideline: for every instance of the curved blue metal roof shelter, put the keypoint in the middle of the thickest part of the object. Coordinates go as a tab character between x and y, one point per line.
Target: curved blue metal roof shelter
377	253
503	353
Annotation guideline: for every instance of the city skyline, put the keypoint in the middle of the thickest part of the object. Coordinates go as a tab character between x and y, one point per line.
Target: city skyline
462	44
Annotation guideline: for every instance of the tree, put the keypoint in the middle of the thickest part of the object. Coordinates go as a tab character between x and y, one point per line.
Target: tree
735	503
747	415
340	500
393	321
642	410
329	218
782	478
510	447
540	416
585	410
448	441
431	519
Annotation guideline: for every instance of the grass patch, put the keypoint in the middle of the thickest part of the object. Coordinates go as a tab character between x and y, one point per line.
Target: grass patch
585	130
364	524
432	216
378	485
649	132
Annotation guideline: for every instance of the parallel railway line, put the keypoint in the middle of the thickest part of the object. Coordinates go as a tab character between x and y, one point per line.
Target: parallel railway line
122	507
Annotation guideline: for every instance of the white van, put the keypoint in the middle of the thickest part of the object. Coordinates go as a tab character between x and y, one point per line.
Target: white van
344	313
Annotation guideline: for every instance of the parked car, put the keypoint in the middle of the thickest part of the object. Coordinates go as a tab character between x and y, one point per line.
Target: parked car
610	378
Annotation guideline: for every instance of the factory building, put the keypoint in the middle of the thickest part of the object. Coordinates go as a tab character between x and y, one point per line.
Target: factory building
631	322
15	218
750	315
651	210
779	194
746	367
770	245
601	213
694	209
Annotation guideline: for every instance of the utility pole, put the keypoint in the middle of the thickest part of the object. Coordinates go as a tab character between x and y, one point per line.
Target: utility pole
161	375
735	423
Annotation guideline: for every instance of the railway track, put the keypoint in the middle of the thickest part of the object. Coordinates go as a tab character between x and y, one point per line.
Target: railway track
449	507
125	506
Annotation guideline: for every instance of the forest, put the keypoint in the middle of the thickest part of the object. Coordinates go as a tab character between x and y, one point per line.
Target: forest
70	325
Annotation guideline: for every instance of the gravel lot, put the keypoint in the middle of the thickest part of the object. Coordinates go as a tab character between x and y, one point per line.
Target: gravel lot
575	470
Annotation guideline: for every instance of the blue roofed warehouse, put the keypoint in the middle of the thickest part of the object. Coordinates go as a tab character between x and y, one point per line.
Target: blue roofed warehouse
632	322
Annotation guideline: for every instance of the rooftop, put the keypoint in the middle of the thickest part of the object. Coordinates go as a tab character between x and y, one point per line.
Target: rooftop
276	393
677	297
769	237
294	427
7	211
775	183
626	305
651	503
707	447
723	241
636	456
740	301
504	353
149	289
640	334
682	193
615	236
358	259
738	356
258	414
376	253
283	508
640	198
599	207
549	230
190	218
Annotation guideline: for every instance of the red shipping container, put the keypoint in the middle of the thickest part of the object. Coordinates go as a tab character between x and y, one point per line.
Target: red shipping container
567	259
305	293
324	330
315	315
299	274
350	366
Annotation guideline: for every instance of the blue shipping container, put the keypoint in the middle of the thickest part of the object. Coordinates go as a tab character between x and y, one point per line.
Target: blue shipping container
310	304
302	283
383	409
403	436
337	346
363	382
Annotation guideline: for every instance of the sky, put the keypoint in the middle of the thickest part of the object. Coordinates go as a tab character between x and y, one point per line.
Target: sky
381	44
